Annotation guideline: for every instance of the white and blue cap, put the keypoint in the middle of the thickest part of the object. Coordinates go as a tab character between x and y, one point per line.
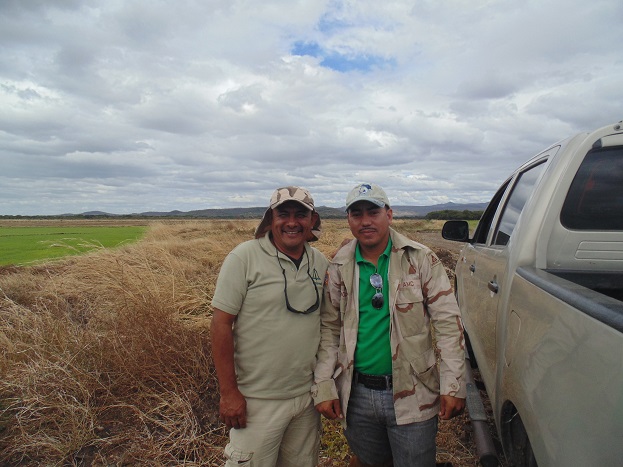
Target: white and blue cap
367	192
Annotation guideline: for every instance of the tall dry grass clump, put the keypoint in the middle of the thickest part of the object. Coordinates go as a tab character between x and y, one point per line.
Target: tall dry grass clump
105	358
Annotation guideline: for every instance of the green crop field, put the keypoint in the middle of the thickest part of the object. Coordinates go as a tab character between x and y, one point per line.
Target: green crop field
28	244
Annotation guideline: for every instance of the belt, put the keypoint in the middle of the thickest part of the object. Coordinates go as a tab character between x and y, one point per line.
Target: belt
378	382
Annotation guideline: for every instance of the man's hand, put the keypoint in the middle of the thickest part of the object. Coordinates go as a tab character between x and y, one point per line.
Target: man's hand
233	409
330	409
451	407
233	406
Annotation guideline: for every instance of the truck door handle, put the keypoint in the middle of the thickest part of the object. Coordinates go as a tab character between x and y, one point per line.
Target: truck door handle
472	268
493	286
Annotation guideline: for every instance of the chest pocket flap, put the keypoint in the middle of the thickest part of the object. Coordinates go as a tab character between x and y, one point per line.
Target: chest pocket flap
409	292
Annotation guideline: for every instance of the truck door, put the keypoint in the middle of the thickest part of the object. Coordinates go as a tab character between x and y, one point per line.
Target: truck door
479	322
489	261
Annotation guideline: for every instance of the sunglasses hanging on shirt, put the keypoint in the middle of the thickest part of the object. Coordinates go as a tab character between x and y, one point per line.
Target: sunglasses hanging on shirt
377	282
312	308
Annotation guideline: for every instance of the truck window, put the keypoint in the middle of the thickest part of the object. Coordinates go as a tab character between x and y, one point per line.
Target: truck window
516	201
595	198
482	231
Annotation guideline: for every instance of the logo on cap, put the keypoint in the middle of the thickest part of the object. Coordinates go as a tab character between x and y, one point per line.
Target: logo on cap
363	189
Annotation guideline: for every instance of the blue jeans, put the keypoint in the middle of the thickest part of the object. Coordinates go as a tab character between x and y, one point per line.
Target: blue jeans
374	436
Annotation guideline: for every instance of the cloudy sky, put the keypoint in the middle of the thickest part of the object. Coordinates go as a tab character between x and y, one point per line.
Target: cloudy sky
138	105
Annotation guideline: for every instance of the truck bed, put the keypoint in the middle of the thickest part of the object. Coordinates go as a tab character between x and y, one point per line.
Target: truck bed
597	294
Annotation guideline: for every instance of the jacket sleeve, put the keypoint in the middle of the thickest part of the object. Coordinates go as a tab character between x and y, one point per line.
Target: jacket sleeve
446	322
324	387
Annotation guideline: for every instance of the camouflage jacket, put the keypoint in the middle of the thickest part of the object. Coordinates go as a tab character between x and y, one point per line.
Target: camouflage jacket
421	299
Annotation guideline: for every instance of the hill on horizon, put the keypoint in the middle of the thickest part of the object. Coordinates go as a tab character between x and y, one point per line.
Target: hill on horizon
257	212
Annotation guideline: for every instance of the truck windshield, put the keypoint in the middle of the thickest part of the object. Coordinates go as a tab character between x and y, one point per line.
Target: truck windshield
595	198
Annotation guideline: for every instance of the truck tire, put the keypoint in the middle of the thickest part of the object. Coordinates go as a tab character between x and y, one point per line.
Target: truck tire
517	443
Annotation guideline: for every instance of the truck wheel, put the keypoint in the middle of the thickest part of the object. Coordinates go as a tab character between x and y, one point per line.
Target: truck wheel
517	443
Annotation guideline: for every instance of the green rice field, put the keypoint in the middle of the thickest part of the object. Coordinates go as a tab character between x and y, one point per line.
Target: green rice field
30	244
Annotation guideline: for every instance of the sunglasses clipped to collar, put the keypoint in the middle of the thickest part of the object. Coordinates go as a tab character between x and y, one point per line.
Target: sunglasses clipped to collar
377	282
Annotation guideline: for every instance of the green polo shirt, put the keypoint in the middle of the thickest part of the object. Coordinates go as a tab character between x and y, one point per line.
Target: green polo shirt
373	355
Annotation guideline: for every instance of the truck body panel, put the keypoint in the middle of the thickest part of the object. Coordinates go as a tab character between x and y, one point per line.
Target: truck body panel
539	287
566	368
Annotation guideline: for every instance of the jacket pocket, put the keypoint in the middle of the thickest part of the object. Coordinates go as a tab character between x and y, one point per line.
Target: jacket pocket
425	370
410	305
410	312
409	290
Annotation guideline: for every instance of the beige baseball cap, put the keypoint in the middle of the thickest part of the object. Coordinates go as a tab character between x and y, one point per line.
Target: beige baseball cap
367	192
280	196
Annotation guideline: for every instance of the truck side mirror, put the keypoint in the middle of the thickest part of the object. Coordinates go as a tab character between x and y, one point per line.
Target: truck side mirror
457	231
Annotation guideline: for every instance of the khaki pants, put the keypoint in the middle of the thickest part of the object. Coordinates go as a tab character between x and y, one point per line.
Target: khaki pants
279	433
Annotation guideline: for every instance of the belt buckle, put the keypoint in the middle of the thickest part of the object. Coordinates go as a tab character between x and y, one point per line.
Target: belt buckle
378	382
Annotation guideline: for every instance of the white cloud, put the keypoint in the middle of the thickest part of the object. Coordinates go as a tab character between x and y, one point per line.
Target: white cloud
135	106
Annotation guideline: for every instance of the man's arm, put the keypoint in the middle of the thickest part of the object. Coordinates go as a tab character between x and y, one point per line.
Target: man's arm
446	321
324	390
233	406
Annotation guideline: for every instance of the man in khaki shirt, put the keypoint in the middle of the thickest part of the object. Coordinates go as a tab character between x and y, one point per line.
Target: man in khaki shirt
265	334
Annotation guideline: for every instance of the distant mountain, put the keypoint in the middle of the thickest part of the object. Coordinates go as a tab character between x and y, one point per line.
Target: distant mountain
85	214
421	211
235	213
257	212
96	213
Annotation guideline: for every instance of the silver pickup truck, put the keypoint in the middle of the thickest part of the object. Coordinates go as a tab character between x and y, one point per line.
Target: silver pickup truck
540	287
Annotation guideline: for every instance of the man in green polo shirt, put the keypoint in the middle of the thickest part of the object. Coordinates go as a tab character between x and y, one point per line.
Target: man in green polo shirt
377	368
265	334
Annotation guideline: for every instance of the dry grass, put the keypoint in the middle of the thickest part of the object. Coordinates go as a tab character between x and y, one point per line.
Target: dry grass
105	359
